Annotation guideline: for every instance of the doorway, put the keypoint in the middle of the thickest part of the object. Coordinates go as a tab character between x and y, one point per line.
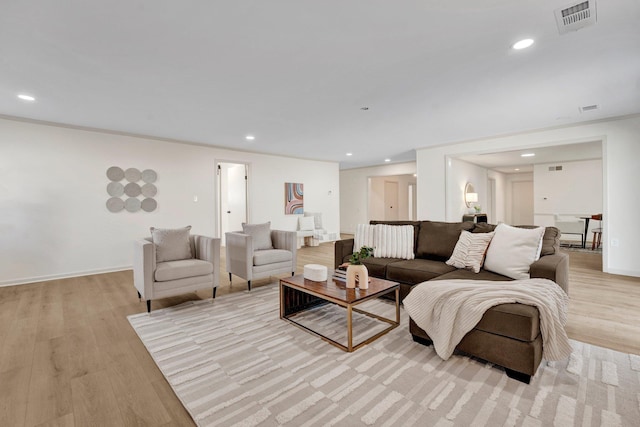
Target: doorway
522	202
233	180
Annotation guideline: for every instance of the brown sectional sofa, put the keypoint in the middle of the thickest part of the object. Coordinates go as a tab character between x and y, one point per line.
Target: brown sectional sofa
508	334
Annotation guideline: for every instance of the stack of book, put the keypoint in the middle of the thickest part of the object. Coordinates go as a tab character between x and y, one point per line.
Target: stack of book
340	273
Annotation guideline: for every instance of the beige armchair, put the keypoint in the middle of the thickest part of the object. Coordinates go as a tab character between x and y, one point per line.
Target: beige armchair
155	280
249	258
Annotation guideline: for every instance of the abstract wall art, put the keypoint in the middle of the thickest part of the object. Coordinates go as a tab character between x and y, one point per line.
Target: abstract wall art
131	189
293	198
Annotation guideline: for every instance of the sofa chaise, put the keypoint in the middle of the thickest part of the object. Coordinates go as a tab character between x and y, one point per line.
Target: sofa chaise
508	334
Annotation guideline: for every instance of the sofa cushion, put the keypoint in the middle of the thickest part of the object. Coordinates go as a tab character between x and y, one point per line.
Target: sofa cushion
436	240
377	267
271	256
470	275
171	243
179	269
416	270
260	234
513	250
550	239
470	250
483	227
518	321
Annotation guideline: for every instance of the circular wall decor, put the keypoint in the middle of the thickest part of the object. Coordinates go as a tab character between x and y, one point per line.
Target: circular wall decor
132	175
115	189
149	205
114	173
149	176
132	189
132	204
125	195
149	190
115	204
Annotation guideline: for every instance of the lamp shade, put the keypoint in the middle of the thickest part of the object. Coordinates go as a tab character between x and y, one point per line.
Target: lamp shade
472	197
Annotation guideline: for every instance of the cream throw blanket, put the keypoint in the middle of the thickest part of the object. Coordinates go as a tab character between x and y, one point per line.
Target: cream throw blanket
447	309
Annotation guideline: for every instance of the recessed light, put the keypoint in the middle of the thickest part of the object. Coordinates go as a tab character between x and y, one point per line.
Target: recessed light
349	154
527	154
249	137
523	44
387	160
516	169
25	97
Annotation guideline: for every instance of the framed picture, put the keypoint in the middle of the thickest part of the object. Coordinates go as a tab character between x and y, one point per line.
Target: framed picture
293	198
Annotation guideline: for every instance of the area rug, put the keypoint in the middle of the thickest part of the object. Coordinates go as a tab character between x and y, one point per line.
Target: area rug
233	362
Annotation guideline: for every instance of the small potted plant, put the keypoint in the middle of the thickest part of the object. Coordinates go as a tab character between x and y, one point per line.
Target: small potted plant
356	271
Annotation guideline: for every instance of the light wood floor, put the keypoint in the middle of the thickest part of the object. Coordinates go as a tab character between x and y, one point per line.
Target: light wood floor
69	357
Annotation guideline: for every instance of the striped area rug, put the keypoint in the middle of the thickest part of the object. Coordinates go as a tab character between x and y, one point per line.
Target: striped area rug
233	362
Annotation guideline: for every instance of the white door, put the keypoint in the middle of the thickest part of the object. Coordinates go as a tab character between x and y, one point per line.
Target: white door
522	203
390	201
232	196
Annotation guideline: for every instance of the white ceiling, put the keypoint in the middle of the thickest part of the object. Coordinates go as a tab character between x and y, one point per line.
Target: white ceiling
295	73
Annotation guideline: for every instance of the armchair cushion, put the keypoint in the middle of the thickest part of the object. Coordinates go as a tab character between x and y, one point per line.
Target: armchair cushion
260	234
171	244
172	270
271	256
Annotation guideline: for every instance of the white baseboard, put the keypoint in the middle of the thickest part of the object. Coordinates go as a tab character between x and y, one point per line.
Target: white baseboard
36	279
622	272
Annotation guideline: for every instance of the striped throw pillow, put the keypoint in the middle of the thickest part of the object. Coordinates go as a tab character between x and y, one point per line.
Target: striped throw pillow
364	236
470	250
394	241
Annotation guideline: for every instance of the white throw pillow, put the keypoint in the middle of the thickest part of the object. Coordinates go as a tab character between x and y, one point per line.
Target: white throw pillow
261	234
513	250
171	244
470	250
393	241
364	236
306	223
317	218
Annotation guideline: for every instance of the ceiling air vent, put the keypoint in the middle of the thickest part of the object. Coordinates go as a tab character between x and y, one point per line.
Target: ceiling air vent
588	108
576	16
555	168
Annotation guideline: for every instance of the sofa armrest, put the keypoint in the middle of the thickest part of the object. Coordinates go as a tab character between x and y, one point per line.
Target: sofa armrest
144	265
553	267
239	251
342	250
287	240
208	249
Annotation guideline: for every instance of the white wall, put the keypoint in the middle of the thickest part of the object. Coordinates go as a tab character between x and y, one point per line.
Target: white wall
500	213
459	173
353	192
54	221
376	195
621	151
576	190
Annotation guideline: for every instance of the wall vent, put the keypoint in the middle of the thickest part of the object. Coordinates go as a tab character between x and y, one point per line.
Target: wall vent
587	108
576	16
555	168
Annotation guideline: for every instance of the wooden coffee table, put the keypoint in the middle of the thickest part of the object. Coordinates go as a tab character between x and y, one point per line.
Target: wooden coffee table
298	294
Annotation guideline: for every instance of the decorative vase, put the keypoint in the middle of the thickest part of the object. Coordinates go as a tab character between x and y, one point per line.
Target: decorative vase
357	273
